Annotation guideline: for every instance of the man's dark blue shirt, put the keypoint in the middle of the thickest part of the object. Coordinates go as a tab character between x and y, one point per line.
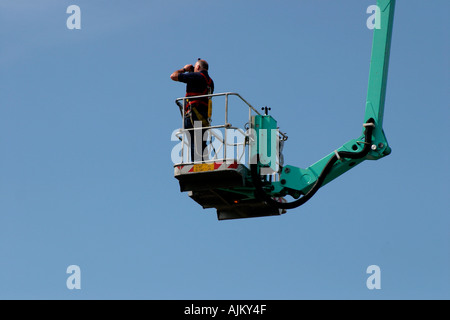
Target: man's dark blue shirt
196	85
195	82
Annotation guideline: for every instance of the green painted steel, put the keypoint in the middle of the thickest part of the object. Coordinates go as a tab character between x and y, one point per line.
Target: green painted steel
264	141
296	181
378	74
379	63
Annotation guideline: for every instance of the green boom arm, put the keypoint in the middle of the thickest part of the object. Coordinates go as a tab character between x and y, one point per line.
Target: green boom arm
296	181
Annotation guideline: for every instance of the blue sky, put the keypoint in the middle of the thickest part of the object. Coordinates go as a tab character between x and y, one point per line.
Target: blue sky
86	176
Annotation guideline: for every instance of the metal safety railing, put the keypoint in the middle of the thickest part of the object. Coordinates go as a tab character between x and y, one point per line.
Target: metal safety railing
222	137
226	142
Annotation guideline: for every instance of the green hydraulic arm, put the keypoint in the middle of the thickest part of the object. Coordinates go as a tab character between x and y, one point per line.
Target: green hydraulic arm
371	145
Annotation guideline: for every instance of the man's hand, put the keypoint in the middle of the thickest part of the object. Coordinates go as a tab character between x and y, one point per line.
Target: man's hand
189	68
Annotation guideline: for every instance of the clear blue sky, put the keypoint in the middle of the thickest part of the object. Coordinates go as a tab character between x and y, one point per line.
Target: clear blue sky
86	176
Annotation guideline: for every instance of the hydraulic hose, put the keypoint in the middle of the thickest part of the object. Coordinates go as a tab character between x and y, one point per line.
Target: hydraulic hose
261	193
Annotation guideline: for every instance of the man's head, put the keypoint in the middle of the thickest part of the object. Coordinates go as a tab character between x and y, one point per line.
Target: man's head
201	65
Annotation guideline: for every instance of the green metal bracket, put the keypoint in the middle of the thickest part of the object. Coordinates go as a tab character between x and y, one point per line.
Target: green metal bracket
264	142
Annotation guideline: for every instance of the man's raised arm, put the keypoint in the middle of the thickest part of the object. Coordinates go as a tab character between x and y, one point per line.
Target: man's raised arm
174	76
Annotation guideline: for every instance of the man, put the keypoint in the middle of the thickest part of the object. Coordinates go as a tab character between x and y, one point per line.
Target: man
197	111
